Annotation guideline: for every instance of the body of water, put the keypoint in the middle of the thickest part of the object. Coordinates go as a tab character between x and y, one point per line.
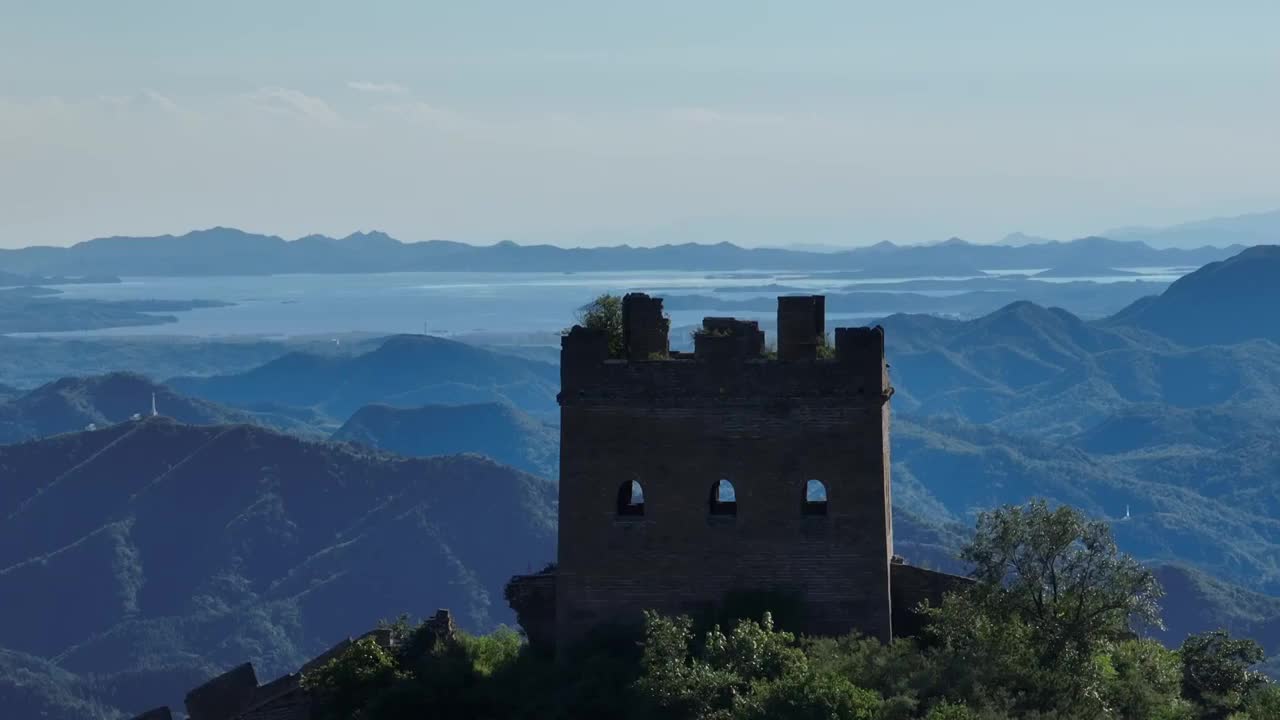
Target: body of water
451	303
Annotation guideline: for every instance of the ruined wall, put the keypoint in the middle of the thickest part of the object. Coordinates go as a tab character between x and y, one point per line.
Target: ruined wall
236	695
677	427
913	586
160	713
224	696
533	598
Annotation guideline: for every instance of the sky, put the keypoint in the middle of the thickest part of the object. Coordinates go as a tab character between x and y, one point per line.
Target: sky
598	123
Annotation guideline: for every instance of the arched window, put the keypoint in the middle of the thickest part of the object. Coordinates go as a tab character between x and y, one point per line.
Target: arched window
631	499
724	501
815	498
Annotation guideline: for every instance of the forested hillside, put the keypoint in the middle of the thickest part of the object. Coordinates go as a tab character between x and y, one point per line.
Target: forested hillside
151	555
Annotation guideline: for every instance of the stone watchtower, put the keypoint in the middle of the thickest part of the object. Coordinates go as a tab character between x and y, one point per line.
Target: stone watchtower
685	478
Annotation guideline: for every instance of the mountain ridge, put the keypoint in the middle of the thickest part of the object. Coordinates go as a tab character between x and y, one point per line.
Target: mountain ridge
403	370
222	250
204	546
1224	302
496	430
1247	229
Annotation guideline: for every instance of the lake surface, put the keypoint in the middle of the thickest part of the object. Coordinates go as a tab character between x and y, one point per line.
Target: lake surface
464	303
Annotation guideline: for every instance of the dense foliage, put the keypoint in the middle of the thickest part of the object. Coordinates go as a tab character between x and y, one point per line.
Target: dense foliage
604	314
1047	631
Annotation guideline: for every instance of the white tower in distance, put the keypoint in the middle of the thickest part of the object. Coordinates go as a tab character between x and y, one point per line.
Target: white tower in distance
153	405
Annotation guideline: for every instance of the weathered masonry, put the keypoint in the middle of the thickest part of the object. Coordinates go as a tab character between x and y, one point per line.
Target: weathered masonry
686	479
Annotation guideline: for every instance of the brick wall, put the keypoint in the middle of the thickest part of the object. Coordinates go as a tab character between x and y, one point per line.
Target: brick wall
679	426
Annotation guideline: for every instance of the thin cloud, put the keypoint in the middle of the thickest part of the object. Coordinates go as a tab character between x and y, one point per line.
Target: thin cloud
294	101
160	100
378	88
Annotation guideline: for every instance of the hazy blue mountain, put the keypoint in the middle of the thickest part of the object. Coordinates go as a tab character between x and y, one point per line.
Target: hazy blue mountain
154	554
1244	472
1145	428
404	371
946	470
1223	302
1021	238
1251	229
495	430
28	362
227	251
1029	369
1195	601
74	404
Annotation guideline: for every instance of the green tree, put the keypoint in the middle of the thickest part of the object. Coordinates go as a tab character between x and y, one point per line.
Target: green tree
948	711
344	685
1217	672
1262	703
804	694
754	672
605	315
1143	680
1054	593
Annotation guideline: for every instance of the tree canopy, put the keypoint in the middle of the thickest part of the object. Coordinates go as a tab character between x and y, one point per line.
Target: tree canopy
605	315
1049	631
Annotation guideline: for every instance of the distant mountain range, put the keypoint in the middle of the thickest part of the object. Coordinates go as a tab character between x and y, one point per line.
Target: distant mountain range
1251	229
404	371
227	251
1261	228
149	555
28	362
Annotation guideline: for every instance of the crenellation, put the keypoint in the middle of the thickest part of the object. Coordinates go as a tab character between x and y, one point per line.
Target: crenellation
860	345
584	347
646	331
801	326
